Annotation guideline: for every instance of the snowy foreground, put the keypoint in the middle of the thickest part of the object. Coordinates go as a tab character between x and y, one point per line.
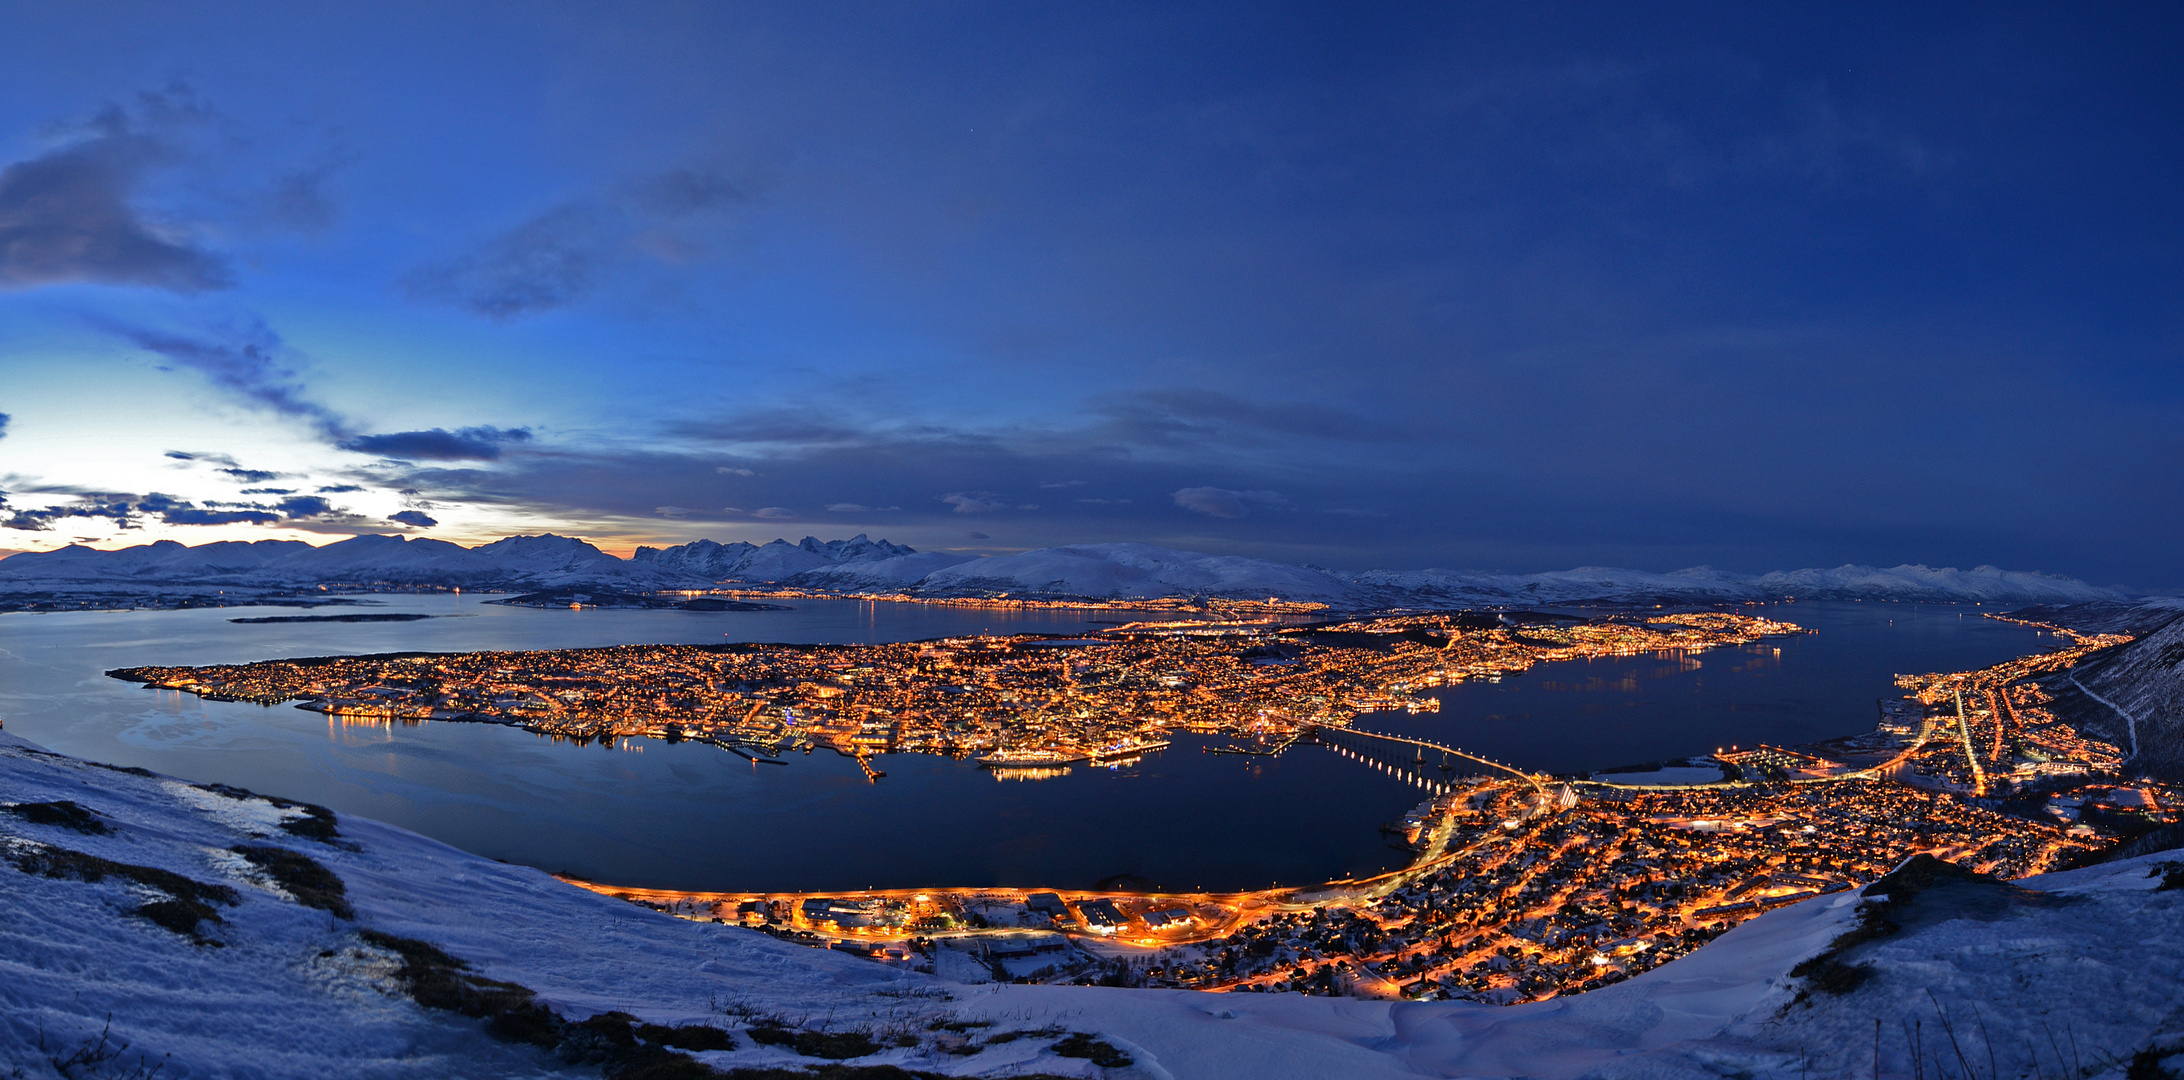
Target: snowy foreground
2071	980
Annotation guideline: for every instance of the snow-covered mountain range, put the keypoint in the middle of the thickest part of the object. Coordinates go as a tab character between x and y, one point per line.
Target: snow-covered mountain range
1096	571
516	560
769	562
349	948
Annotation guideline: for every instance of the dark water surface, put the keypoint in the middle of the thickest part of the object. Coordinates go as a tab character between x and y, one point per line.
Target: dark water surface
690	816
1582	715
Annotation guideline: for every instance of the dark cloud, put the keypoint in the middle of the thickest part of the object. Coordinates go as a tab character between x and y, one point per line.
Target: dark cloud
68	215
548	262
793	426
269	491
298	199
413	518
189	515
339	489
1191	416
563	255
439	444
1224	503
250	361
247	360
4	418
680	193
120	509
251	476
129	510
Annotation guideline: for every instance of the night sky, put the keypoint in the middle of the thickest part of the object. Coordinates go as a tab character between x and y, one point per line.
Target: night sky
1498	287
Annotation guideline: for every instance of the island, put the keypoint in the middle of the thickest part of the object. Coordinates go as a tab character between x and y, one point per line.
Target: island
1521	886
350	617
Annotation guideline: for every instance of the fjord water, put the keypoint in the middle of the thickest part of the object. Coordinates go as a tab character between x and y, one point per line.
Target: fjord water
647	813
1594	714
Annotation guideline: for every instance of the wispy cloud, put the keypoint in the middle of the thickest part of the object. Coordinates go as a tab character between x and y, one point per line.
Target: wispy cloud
561	255
439	444
245	359
974	502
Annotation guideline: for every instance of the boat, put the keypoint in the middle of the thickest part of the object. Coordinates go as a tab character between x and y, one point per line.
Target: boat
1127	748
1024	758
765	758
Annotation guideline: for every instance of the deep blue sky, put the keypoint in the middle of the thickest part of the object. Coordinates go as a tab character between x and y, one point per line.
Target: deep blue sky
1502	287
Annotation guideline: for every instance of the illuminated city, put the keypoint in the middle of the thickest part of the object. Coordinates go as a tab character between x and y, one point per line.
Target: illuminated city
1053	699
1521	886
723	540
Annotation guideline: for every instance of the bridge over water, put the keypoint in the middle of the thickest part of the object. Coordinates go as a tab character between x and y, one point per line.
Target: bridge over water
1414	759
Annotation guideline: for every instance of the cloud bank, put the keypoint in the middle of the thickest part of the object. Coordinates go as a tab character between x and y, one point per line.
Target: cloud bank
439	444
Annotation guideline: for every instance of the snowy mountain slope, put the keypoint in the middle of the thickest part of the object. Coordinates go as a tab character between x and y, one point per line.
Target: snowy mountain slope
1138	570
268	1002
538	561
703	558
775	561
2142	683
1106	571
877	575
2096	956
2136	618
1702	584
1913	582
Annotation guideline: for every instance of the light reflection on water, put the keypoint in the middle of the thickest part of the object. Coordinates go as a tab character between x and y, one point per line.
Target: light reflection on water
647	813
643	812
1592	714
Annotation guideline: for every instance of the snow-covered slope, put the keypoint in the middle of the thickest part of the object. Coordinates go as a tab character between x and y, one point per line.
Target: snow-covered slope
1138	570
877	575
535	561
2096	956
2142	684
1981	583
1704	584
1085	570
1699	584
776	561
2134	617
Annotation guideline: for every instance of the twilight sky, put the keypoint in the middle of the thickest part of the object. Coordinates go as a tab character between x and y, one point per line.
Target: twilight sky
1511	287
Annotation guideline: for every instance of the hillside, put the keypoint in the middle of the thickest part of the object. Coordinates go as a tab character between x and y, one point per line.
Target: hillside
2138	695
860	564
531	561
214	933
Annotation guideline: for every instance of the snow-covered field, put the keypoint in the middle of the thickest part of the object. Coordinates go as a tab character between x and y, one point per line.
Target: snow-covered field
2067	985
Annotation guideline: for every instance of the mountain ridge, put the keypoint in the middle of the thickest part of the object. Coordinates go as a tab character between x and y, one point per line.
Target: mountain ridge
1111	571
